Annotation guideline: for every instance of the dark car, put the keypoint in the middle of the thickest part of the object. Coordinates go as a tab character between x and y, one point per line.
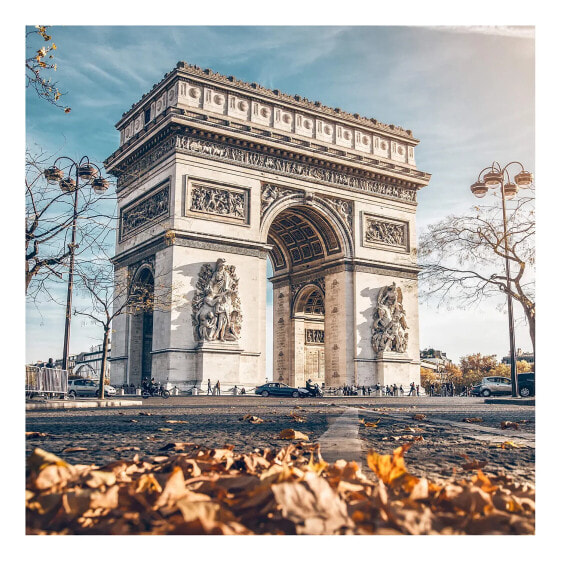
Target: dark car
526	384
278	389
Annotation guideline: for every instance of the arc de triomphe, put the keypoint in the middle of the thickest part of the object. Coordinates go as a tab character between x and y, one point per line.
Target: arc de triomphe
214	175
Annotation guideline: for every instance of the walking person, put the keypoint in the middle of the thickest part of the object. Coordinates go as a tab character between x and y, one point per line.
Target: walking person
218	387
209	388
411	388
401	391
418	393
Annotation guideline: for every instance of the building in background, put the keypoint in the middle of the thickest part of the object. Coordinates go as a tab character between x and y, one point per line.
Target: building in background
520	355
88	365
434	360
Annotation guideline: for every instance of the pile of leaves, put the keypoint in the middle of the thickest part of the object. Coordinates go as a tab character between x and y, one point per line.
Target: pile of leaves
193	490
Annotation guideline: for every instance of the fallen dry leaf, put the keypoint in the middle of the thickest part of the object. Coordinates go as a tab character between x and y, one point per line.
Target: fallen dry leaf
74	449
509	425
473	464
508	444
36	435
164	429
177	422
126	448
373	424
472	420
253	419
419	417
292	490
291	434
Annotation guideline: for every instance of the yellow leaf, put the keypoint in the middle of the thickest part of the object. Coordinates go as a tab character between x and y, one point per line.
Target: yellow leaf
388	468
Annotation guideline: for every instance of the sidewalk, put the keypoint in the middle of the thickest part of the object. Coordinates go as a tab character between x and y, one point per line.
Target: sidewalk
82	403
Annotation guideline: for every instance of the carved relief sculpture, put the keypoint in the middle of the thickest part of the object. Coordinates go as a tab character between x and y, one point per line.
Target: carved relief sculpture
389	328
216	306
382	231
271	193
141	214
218	201
315	336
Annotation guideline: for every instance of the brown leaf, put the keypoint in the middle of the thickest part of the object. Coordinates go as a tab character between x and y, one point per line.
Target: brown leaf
473	464
74	449
254	420
509	425
36	435
291	434
174	489
472	420
126	448
419	417
312	506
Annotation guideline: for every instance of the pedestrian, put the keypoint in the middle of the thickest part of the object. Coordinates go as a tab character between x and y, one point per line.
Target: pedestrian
418	394
388	391
218	387
431	390
209	388
401	392
394	390
411	388
369	390
235	390
243	391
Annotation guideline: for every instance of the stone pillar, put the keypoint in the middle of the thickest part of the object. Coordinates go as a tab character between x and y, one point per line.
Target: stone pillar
282	354
339	329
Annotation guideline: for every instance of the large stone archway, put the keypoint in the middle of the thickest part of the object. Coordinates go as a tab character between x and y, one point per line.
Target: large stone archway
215	175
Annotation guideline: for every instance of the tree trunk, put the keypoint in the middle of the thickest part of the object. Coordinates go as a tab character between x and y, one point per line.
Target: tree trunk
103	362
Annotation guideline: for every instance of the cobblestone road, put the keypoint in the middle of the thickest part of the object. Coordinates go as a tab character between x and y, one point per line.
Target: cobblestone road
113	433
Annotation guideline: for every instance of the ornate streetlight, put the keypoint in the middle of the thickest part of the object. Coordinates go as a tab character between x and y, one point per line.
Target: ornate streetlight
90	175
493	177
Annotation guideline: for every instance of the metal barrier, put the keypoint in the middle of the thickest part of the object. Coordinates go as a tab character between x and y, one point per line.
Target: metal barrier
45	380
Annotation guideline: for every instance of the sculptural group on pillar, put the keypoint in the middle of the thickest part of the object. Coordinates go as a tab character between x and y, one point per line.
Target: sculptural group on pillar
216	305
389	328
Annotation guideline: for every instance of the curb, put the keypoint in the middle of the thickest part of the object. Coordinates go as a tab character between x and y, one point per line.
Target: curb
83	404
512	401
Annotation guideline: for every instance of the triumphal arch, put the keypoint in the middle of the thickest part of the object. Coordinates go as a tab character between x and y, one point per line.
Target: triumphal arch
214	175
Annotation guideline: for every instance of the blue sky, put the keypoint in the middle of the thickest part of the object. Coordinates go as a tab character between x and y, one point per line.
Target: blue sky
466	93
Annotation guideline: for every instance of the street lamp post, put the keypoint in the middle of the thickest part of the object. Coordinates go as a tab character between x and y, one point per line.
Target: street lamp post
492	177
90	175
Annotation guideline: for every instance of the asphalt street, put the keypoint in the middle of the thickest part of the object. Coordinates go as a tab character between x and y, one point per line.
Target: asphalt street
102	435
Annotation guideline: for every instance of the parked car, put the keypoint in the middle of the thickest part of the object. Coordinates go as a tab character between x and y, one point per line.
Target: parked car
279	389
494	385
88	388
497	385
527	384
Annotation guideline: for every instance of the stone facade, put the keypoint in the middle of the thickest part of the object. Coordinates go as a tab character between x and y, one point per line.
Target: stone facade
215	175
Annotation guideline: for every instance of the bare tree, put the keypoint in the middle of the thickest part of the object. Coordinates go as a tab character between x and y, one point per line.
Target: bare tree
108	294
48	223
38	65
463	257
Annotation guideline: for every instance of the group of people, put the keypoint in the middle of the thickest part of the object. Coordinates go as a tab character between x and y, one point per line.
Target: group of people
215	390
448	389
380	390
